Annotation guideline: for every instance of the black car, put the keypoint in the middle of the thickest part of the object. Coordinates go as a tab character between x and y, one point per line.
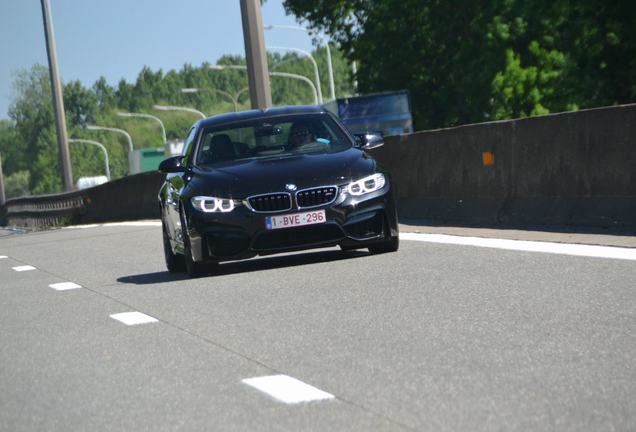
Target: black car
269	181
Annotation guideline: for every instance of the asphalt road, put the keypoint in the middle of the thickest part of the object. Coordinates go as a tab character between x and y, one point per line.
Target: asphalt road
435	337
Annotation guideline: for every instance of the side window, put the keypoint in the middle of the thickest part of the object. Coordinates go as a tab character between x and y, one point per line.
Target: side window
187	143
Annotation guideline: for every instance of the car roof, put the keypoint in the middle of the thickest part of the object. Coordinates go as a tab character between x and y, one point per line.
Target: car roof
260	114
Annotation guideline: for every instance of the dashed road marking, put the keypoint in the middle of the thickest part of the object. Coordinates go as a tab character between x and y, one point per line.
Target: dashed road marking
133	318
3	256
133	224
287	389
118	224
528	246
23	268
63	286
81	226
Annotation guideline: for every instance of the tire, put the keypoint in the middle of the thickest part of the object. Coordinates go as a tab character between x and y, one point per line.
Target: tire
174	262
391	245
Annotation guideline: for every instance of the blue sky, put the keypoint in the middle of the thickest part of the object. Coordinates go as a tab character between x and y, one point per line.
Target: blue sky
115	38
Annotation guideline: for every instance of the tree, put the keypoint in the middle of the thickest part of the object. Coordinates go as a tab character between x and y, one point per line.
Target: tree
28	142
485	59
80	104
32	114
104	93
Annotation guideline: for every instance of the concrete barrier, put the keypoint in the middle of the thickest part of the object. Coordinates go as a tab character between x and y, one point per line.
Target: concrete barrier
564	169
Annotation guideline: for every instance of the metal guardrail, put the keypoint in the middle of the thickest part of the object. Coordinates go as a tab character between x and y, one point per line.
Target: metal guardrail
45	211
128	198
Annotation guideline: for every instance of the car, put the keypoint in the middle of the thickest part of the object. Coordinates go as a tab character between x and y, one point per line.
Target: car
261	182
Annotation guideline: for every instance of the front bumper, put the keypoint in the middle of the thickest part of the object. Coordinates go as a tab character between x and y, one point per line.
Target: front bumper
352	223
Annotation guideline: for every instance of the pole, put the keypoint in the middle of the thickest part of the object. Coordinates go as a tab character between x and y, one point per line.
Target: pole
179	108
280	74
332	86
313	63
354	67
101	146
301	78
3	197
229	96
255	55
123	132
58	98
155	118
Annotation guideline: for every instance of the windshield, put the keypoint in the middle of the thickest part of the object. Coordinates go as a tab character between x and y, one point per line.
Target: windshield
307	134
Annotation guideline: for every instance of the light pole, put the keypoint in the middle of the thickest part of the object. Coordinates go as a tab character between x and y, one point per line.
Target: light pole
121	131
58	98
2	195
313	62
100	145
178	108
155	118
233	98
255	54
301	78
332	87
279	74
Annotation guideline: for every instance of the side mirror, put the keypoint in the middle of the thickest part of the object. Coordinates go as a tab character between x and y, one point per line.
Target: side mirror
369	140
172	165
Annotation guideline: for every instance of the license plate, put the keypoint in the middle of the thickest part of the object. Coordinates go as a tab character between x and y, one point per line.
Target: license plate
294	220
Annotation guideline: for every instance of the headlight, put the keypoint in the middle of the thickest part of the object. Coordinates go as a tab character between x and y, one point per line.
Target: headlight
213	205
366	185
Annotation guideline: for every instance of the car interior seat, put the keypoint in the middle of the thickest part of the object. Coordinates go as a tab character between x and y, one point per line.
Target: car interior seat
221	149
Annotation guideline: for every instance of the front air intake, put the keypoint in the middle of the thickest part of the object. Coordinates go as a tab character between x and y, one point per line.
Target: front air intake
316	196
268	203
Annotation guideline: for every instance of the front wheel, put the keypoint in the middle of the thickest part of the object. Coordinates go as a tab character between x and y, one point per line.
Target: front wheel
391	245
174	262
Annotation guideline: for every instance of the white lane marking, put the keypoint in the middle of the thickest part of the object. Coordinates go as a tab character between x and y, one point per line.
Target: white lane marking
287	389
23	268
3	256
133	318
133	224
63	286
81	226
117	224
528	246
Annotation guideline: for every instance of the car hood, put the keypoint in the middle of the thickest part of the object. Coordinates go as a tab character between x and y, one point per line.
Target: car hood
256	176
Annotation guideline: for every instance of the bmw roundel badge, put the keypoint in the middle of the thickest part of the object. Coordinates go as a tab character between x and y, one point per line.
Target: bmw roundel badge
291	187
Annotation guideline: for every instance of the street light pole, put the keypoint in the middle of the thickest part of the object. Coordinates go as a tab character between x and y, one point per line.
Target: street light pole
58	98
313	62
179	108
299	77
101	146
3	197
332	87
280	74
123	132
155	118
234	98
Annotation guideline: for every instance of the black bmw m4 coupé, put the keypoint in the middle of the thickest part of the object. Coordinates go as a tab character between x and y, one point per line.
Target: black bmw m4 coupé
268	181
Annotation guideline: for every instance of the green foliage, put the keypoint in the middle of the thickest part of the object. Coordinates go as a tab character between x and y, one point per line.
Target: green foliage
17	184
485	59
28	141
80	104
